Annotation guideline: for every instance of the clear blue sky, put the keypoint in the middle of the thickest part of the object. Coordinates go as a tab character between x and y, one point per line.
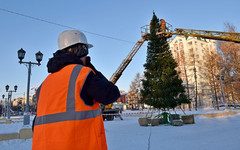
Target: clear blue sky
119	19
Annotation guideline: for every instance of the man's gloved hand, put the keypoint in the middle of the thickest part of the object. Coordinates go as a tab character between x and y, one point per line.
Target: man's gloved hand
89	64
88	60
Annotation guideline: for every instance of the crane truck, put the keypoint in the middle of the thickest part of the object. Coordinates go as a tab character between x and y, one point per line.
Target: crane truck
108	112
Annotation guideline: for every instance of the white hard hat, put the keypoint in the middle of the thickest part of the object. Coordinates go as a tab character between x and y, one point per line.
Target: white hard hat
71	37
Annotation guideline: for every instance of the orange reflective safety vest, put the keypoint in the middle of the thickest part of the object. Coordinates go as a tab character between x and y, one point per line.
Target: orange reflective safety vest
163	23
64	121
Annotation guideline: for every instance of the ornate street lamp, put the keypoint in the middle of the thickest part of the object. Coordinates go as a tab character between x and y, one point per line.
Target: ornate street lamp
21	55
39	57
218	77
7	87
9	98
222	89
15	88
222	77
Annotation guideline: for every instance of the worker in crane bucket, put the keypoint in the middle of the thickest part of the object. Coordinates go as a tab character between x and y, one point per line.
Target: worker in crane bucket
163	25
68	113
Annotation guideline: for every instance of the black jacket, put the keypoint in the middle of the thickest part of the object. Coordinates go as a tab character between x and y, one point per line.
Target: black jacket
96	86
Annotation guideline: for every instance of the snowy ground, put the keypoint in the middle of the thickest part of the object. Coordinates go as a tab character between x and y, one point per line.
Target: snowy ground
221	133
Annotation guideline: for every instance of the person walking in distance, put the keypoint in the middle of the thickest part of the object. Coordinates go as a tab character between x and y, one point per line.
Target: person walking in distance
68	112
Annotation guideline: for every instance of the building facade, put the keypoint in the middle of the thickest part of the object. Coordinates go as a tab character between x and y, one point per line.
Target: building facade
190	54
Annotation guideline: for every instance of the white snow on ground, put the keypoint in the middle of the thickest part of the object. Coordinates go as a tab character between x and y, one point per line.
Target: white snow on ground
220	133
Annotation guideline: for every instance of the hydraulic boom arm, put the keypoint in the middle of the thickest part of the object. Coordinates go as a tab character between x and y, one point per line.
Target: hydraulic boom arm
216	35
117	74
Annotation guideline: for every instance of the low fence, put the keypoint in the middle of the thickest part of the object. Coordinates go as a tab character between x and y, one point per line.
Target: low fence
213	115
26	133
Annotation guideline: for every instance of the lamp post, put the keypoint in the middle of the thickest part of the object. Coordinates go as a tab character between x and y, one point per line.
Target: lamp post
3	106
39	56
222	89
137	104
9	98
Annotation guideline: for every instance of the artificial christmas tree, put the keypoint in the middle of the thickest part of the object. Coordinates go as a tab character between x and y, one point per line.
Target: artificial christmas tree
162	87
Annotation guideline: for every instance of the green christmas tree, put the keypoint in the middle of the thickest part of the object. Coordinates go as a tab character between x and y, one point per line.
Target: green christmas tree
162	87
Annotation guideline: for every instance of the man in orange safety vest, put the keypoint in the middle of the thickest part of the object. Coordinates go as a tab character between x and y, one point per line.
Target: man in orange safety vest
68	113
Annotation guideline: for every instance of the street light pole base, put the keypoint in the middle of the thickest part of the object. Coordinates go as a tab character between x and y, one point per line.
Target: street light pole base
26	119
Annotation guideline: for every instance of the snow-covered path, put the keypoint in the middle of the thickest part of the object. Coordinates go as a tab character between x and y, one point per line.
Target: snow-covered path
221	133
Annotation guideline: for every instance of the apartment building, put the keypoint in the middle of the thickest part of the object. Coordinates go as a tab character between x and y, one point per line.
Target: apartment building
190	54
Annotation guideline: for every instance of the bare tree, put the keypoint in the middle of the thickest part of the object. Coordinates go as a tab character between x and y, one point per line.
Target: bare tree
181	60
211	66
192	66
229	62
134	91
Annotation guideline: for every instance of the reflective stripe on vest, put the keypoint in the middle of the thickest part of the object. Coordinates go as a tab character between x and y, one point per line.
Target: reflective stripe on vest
70	113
